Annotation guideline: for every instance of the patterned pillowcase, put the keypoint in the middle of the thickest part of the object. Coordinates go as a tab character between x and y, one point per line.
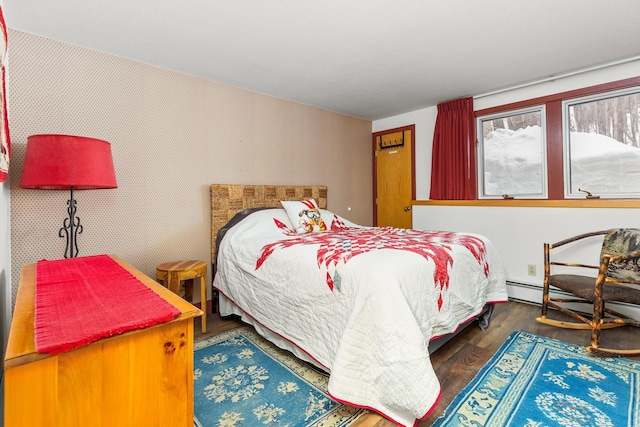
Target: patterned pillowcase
305	216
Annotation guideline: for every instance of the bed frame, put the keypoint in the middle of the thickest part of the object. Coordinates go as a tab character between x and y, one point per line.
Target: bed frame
227	200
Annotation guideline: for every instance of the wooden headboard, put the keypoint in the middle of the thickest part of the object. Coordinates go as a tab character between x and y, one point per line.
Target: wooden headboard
229	199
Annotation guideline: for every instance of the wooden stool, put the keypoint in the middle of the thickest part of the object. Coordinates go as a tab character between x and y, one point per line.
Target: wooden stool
174	272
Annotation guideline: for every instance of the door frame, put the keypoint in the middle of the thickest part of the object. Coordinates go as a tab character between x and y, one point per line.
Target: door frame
374	135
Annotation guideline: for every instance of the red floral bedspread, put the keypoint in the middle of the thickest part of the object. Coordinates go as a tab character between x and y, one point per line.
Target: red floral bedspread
344	243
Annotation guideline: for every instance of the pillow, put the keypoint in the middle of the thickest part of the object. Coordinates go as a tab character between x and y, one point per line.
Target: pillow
305	216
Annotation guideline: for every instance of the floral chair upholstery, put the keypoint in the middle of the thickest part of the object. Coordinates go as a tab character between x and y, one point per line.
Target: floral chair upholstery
617	280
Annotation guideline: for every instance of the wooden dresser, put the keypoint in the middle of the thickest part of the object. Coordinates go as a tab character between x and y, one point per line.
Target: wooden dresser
139	378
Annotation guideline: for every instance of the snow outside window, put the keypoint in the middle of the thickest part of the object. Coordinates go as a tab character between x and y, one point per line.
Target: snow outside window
512	159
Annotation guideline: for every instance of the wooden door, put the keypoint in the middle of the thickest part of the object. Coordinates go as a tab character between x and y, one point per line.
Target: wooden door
394	177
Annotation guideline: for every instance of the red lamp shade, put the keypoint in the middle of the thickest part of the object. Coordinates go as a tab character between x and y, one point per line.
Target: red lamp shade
59	162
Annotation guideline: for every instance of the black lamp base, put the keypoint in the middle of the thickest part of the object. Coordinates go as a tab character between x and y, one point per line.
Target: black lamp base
71	228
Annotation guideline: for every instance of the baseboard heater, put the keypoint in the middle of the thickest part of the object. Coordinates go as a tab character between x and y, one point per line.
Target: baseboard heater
532	294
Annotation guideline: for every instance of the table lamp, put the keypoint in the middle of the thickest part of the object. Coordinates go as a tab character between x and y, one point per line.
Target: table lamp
67	162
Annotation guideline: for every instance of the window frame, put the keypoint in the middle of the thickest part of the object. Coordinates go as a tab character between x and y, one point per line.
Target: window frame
480	152
566	139
554	130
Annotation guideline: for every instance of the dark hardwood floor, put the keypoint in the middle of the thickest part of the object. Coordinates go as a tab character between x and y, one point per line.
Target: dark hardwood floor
459	360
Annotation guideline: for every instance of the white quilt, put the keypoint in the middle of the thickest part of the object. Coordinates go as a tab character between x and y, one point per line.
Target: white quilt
363	302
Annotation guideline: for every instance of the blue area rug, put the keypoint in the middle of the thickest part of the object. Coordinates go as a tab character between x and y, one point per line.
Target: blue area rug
240	379
534	381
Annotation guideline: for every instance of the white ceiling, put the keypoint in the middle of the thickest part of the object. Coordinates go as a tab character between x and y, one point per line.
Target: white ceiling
365	58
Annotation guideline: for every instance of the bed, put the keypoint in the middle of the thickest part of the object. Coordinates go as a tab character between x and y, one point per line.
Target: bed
366	304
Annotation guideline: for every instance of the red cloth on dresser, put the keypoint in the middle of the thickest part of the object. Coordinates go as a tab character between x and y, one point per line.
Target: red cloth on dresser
80	300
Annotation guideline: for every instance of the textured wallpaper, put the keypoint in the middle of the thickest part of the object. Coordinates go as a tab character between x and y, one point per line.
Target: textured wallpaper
171	136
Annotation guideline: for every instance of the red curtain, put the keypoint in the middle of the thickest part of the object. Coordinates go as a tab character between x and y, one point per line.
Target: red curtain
5	147
453	159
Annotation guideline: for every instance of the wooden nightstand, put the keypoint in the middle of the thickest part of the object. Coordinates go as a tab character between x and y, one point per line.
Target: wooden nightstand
174	272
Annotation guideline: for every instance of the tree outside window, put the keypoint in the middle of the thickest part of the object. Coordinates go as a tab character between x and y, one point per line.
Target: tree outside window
602	145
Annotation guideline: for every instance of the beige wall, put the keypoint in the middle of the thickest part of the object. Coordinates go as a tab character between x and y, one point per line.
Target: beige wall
171	135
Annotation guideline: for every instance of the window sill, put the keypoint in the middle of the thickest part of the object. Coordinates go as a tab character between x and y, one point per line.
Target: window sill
530	203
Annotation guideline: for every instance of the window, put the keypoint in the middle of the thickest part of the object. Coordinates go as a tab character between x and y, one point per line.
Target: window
601	137
580	144
511	149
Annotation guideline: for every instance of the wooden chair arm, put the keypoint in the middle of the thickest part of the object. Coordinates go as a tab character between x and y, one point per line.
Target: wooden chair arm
549	246
623	256
573	264
604	273
576	238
